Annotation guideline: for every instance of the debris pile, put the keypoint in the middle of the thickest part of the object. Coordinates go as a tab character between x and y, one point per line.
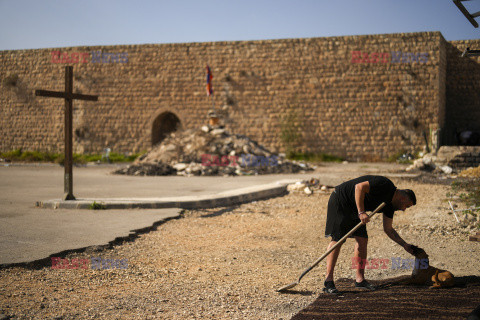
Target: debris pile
211	151
309	187
448	159
429	163
147	169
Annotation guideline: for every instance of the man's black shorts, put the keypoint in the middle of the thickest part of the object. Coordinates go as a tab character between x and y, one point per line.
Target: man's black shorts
341	220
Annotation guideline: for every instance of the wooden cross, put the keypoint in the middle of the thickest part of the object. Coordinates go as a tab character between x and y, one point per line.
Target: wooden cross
69	96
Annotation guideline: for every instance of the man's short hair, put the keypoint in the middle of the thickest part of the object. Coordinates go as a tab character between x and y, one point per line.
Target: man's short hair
410	195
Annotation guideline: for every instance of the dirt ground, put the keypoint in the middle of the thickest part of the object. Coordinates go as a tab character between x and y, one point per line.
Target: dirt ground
227	263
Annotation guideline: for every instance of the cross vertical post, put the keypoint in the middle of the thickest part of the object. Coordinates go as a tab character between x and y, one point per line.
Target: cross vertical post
68	183
69	96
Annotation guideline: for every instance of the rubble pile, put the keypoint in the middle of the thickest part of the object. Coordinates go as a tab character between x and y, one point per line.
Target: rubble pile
429	163
148	169
448	159
309	187
210	151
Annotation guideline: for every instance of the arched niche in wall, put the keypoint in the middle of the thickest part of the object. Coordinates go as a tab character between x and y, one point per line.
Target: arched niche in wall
162	125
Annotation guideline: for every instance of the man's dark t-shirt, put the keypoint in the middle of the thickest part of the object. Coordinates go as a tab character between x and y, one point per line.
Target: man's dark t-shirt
342	215
381	190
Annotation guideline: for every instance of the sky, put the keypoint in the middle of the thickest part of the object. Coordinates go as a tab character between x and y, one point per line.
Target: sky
32	24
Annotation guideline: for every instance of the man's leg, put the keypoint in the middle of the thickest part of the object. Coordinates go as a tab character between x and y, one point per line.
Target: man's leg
360	256
332	260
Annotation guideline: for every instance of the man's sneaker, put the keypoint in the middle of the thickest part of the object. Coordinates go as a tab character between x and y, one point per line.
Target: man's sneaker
330	287
364	285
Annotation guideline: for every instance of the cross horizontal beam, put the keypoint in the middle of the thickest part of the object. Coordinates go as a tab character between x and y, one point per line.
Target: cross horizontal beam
470	53
465	12
68	96
65	95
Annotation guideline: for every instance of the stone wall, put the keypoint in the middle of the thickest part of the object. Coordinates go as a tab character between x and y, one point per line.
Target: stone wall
459	157
358	97
463	91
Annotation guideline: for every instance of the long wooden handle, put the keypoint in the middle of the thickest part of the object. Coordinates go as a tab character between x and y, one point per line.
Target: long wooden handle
380	207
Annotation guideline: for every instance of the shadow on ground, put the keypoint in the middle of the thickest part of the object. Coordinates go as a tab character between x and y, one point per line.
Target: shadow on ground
221	211
395	301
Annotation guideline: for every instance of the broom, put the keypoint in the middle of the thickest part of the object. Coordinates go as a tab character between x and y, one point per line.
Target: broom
293	284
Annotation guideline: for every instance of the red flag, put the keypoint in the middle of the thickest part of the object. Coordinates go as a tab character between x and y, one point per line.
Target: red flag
209	81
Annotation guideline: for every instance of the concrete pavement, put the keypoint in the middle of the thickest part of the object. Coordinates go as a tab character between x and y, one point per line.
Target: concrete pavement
29	233
222	199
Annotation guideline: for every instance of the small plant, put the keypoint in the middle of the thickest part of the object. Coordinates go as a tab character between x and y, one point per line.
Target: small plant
117	157
12	155
29	156
97	206
38	156
468	191
35	156
403	157
290	132
10	80
314	157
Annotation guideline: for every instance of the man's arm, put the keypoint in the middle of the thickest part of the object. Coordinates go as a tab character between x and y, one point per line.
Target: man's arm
392	234
360	190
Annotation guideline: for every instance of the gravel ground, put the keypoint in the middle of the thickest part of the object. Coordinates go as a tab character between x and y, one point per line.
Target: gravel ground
226	263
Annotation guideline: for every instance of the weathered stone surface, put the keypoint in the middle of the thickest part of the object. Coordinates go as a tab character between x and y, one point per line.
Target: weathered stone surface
459	156
359	108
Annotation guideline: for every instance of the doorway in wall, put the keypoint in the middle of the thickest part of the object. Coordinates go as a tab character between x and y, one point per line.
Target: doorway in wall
164	124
